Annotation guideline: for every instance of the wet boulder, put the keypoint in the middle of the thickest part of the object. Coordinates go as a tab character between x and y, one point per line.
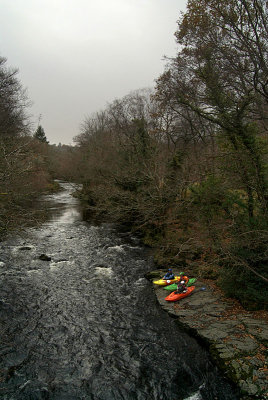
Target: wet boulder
44	257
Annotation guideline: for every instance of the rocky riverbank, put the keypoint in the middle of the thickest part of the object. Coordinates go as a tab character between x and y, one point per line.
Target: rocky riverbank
236	339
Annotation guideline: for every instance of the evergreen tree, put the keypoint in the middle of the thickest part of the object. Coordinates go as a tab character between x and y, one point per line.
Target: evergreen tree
40	134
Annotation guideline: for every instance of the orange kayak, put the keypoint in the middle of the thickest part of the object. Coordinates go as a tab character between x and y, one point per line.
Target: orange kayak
177	296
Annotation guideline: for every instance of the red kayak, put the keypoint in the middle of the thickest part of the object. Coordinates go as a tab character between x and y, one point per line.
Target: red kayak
177	296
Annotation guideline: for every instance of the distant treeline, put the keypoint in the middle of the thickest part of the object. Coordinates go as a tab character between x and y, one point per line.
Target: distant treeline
28	163
185	164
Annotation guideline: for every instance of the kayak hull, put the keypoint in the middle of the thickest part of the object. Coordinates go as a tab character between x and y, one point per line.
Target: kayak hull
165	282
173	287
177	296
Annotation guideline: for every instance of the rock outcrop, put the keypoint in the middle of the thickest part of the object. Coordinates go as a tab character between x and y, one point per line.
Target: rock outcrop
236	339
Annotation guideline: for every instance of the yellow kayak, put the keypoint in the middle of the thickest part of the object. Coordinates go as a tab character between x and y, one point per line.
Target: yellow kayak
165	282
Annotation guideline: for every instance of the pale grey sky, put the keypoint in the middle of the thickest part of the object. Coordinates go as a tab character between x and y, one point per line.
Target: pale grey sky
75	56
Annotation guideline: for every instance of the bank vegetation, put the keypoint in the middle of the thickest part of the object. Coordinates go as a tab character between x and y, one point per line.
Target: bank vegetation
185	164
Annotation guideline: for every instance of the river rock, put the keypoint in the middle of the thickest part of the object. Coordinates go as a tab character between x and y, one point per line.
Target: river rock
257	328
212	333
245	345
249	388
157	274
236	343
44	257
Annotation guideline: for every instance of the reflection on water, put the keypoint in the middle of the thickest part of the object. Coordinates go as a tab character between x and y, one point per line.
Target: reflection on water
63	207
85	324
68	216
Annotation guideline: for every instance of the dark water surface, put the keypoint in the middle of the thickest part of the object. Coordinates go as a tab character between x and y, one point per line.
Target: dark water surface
86	324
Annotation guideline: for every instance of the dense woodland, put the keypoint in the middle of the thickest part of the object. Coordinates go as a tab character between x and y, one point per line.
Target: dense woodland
184	165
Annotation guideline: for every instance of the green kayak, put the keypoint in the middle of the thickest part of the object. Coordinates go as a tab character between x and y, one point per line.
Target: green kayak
173	287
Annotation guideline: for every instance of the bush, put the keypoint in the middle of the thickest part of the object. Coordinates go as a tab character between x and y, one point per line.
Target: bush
244	273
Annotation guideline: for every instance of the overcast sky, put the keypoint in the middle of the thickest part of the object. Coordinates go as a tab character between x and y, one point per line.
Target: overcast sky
75	56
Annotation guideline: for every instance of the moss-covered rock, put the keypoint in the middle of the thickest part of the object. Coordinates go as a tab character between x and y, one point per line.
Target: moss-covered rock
154	274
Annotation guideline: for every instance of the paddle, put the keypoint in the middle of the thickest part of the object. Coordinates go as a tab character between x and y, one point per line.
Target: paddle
199	290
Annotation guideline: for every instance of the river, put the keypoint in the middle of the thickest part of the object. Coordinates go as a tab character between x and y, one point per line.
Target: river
82	322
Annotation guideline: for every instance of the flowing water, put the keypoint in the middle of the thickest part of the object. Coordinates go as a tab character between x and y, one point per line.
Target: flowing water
85	324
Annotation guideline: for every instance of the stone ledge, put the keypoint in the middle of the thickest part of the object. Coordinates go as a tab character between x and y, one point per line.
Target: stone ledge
236	342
